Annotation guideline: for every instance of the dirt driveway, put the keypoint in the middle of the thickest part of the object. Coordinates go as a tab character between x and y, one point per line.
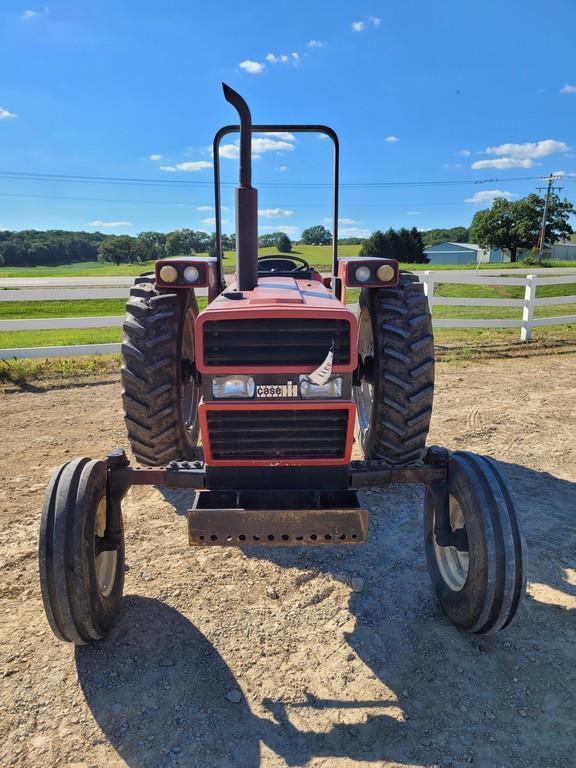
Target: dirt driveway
205	669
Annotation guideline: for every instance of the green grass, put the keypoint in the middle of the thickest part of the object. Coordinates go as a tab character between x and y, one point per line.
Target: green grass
12	310
319	256
54	338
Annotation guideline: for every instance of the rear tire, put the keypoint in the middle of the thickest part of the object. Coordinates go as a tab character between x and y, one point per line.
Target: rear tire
394	399
480	590
159	394
81	584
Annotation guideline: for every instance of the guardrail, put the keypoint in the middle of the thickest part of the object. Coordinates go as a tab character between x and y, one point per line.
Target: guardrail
59	289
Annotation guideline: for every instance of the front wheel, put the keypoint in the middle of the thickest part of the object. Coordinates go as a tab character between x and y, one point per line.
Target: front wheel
479	575
81	553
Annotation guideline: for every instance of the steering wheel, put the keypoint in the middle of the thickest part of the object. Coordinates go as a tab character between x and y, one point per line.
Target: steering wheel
273	263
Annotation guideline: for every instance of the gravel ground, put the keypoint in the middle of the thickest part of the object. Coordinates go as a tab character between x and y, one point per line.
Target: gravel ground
333	657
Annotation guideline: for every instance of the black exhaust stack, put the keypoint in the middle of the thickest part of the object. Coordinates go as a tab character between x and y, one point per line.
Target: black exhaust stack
246	199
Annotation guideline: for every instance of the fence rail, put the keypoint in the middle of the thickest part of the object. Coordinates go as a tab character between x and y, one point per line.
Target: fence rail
58	289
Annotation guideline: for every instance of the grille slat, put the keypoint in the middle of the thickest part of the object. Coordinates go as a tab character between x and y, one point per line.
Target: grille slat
277	434
275	341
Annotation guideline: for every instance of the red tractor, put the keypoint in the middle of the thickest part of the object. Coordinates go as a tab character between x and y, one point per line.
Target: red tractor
277	377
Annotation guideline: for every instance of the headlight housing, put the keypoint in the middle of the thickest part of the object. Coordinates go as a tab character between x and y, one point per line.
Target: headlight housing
331	389
224	387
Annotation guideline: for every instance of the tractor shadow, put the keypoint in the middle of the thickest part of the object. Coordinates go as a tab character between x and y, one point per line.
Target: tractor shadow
157	689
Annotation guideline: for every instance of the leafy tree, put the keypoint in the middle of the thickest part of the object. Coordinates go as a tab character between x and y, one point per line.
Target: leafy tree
404	245
317	235
516	224
283	243
118	249
150	246
451	235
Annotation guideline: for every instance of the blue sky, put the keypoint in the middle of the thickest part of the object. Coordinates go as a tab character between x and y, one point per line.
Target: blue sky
449	91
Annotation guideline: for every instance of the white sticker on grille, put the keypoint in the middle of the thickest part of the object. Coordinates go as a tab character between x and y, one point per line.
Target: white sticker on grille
290	389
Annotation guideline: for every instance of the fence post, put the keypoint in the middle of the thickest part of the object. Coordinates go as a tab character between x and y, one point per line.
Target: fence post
528	309
428	283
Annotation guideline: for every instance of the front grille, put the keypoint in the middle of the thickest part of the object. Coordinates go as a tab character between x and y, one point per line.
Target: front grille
275	341
277	434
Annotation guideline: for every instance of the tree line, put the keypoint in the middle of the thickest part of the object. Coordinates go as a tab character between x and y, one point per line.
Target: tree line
508	224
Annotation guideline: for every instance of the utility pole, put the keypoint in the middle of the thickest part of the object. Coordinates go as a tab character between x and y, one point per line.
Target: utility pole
542	236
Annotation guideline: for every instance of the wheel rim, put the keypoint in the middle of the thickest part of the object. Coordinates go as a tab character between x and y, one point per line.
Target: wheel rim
106	562
190	391
452	564
364	393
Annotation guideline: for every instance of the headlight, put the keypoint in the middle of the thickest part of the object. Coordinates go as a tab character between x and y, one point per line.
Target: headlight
310	391
385	273
168	274
362	274
233	386
191	274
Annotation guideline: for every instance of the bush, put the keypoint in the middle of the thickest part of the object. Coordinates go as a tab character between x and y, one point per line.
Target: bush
283	243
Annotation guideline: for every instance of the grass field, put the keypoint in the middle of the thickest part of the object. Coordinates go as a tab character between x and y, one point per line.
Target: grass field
319	256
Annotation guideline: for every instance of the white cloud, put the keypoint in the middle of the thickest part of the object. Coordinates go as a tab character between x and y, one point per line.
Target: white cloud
260	145
568	88
358	26
511	155
375	20
281	168
489	195
503	162
106	224
204	208
391	139
155	157
230	151
317	43
283	58
168	168
323	136
290	230
561	174
196	165
328	220
252	67
412	213
354	232
5	114
211	221
27	15
273	213
464	152
530	149
283	135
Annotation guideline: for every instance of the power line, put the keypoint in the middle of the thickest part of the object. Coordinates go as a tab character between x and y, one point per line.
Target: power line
197	202
85	179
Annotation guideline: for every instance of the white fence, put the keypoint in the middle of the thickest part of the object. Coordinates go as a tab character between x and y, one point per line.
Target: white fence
58	289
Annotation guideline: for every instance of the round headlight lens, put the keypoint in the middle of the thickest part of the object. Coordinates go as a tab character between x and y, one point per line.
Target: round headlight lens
168	274
191	274
362	274
385	273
